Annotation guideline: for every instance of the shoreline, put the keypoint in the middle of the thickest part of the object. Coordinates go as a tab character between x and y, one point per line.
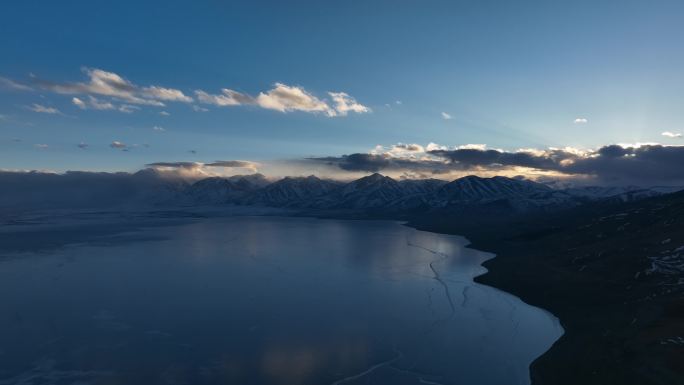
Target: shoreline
617	323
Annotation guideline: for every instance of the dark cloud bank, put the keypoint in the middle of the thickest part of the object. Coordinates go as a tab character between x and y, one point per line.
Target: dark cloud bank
78	189
613	164
161	182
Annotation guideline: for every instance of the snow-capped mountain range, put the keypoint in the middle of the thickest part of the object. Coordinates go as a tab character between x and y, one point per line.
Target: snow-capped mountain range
373	194
379	192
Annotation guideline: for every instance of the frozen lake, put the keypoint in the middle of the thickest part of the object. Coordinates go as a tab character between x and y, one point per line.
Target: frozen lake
263	300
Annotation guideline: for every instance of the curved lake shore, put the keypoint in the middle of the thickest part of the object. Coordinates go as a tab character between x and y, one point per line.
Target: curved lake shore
622	324
274	300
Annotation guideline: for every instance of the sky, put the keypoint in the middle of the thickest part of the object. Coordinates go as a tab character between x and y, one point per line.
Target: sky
115	86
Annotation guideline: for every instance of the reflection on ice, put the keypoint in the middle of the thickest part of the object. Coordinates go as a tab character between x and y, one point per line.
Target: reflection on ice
255	300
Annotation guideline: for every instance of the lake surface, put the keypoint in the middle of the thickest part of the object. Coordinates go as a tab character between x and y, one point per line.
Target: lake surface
264	300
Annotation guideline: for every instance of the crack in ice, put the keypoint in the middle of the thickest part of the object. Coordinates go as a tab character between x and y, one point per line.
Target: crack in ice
436	274
420	376
371	369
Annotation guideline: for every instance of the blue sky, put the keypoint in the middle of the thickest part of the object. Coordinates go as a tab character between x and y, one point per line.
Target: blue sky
508	74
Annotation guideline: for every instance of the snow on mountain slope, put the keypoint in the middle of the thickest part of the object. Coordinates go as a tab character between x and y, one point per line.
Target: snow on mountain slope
373	191
379	192
292	191
218	190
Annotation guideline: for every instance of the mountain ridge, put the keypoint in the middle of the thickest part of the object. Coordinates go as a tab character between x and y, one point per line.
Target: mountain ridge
382	193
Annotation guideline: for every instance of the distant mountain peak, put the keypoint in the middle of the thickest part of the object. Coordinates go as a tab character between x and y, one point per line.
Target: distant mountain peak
379	192
375	176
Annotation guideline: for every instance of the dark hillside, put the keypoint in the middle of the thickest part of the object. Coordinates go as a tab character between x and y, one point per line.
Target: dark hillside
612	273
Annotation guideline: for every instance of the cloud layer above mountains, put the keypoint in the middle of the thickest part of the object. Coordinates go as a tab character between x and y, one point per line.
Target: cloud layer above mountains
645	165
641	164
195	170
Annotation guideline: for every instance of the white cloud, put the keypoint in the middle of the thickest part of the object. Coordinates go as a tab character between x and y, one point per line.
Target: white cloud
116	88
127	108
118	145
110	84
472	146
434	146
409	147
400	150
79	103
168	94
103	83
243	164
35	107
164	113
226	98
345	104
158	128
218	167
197	108
99	105
446	116
672	134
581	121
398	102
286	98
532	151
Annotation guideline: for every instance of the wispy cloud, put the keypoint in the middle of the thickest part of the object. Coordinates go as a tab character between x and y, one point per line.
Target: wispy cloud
127	108
99	104
93	103
672	134
581	121
345	104
118	145
109	84
101	83
79	103
164	113
446	116
286	98
217	163
41	146
206	169
233	164
167	94
35	107
12	85
158	128
225	98
116	89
